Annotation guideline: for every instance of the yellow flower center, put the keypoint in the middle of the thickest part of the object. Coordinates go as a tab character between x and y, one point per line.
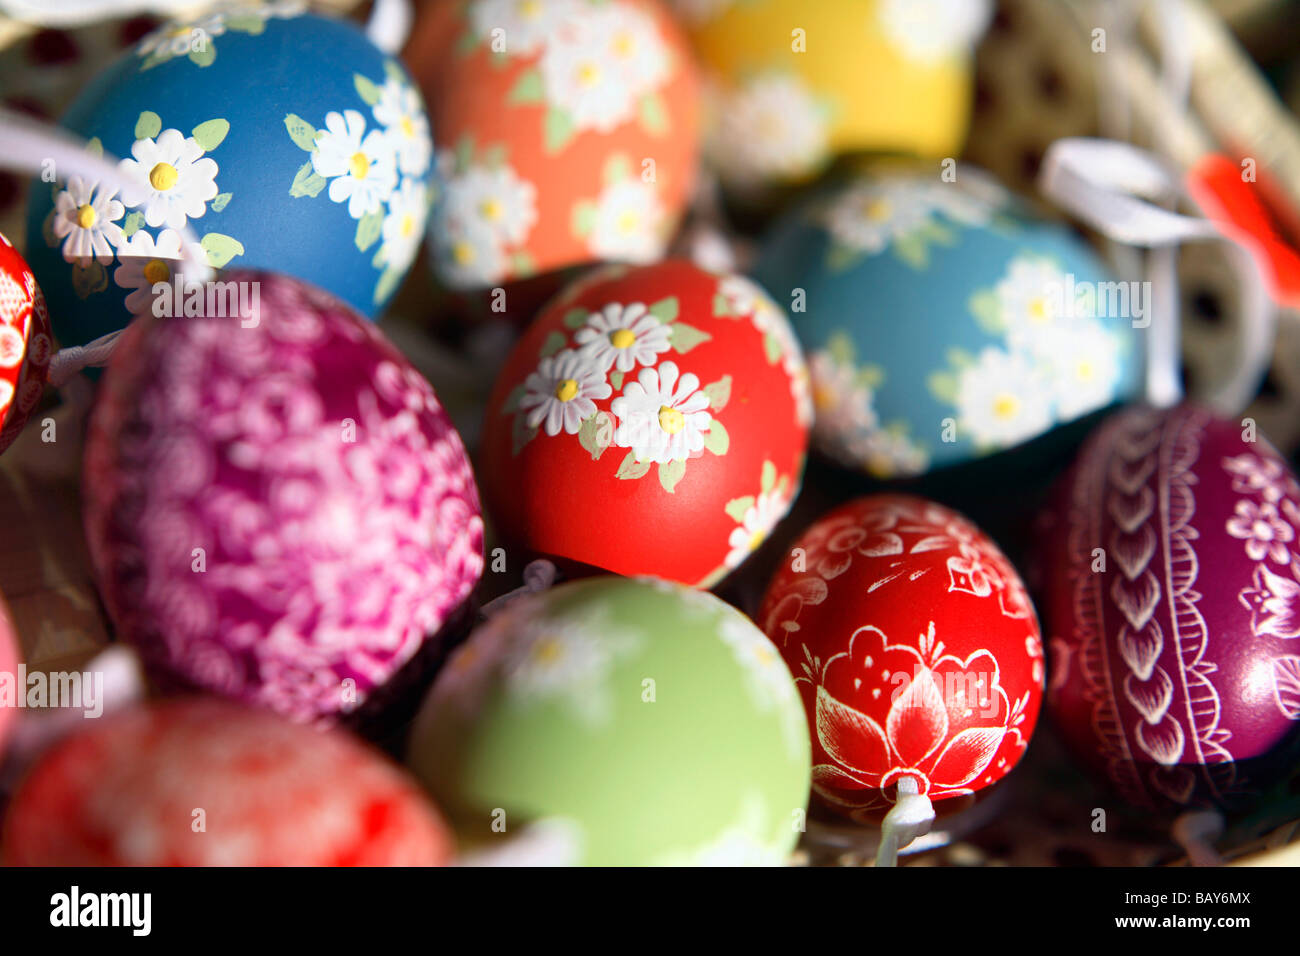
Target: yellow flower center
530	9
548	650
1039	310
408	128
671	420
624	45
567	390
589	74
359	165
155	270
622	338
463	252
878	210
408	225
756	539
163	177
86	216
1085	370
823	398
628	221
491	209
1006	406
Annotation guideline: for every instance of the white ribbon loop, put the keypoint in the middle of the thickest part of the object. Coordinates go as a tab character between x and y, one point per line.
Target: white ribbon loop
1112	187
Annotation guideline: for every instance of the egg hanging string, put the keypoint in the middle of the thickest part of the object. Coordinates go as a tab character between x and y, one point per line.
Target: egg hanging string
909	818
28	146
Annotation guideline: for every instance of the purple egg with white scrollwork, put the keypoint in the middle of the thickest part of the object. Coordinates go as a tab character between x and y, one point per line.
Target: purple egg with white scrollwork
278	509
1172	608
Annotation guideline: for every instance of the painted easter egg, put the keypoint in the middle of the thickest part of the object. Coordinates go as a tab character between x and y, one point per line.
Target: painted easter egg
284	140
8	670
1173	608
277	507
567	133
201	782
652	420
642	721
792	85
942	322
914	647
26	343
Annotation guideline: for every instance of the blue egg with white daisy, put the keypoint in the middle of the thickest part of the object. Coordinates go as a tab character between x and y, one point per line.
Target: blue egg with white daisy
282	140
943	321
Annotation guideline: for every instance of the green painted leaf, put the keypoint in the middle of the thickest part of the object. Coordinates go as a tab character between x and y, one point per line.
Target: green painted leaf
841	348
960	359
89	279
685	337
840	257
527	89
94	147
148	125
768	480
249	23
617	168
671	472
616	380
772	346
719	393
912	250
584	217
554	342
221	249
206	56
559	129
943	386
595	435
717	440
301	132
388	282
133	224
721	307
221	202
513	399
395	72
737	507
308	182
666	310
986	308
522	265
494	156
631	468
871	376
210	134
366	89
575	318
368	228
653	115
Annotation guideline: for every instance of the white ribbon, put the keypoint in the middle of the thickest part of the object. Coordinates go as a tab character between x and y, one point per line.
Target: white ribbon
911	817
1113	187
390	24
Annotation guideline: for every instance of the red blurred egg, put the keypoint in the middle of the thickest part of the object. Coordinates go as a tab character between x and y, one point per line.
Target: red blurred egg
200	782
8	670
26	343
1173	608
915	648
652	420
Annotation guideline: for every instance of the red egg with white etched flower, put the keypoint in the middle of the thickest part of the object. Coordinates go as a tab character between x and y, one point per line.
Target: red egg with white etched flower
915	648
26	343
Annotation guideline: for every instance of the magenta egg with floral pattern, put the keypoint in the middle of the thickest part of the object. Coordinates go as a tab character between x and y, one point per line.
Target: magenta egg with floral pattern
277	507
1173	608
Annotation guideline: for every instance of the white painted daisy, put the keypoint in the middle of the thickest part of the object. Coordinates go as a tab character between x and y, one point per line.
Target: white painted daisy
526	24
1031	300
632	40
772	127
495	198
629	223
886	453
469	255
146	261
621	336
361	166
560	393
874	213
401	112
663	415
582	77
182	181
929	31
1002	400
746	297
1084	367
759	520
85	219
842	404
404	225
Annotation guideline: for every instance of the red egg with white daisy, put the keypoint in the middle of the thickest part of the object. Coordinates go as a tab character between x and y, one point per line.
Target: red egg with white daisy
652	420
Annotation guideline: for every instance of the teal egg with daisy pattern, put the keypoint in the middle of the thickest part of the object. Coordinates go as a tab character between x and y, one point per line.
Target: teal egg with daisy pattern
278	139
942	320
